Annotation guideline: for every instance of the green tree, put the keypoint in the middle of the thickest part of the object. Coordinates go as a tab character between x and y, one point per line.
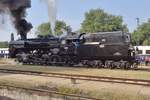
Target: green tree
96	20
44	29
60	26
141	35
3	44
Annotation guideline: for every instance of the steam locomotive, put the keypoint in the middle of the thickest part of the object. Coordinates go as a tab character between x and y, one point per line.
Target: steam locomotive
102	49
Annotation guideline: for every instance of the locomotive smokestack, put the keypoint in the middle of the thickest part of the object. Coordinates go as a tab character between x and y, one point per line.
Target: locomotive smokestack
17	11
12	37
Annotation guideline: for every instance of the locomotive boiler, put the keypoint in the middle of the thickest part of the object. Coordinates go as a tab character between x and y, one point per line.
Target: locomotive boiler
102	49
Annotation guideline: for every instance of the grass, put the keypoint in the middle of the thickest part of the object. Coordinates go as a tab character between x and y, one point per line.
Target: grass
105	94
64	89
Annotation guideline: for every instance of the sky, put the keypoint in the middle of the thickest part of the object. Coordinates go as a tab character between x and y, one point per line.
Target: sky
72	12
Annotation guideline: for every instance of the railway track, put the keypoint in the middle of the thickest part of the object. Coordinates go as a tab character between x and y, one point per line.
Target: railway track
74	78
50	93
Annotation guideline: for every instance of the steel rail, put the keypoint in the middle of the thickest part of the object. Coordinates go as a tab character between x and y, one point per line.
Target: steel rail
43	91
80	77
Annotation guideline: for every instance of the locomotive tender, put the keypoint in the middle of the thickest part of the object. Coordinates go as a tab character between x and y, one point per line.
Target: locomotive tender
102	49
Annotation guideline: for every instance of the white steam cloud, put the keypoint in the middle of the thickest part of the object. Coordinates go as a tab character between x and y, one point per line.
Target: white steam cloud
52	12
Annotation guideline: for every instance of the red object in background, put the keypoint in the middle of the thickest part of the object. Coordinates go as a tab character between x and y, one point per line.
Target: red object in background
147	59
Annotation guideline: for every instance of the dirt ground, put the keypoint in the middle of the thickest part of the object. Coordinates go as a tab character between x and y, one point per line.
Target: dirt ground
99	89
5	61
5	98
106	91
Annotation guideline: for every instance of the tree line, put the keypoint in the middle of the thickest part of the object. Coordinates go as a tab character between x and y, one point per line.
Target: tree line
97	20
4	44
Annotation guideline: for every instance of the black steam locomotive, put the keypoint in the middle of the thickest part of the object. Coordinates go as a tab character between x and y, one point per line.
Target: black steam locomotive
103	49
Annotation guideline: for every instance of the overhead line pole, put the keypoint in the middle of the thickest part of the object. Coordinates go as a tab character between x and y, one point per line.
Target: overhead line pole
138	24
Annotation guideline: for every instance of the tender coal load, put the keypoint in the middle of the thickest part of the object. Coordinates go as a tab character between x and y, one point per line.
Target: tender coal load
17	11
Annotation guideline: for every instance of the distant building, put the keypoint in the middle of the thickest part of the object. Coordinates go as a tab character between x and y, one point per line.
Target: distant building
4	52
143	50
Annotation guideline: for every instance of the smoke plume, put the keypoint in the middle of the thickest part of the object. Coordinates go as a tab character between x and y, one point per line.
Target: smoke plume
17	11
52	9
